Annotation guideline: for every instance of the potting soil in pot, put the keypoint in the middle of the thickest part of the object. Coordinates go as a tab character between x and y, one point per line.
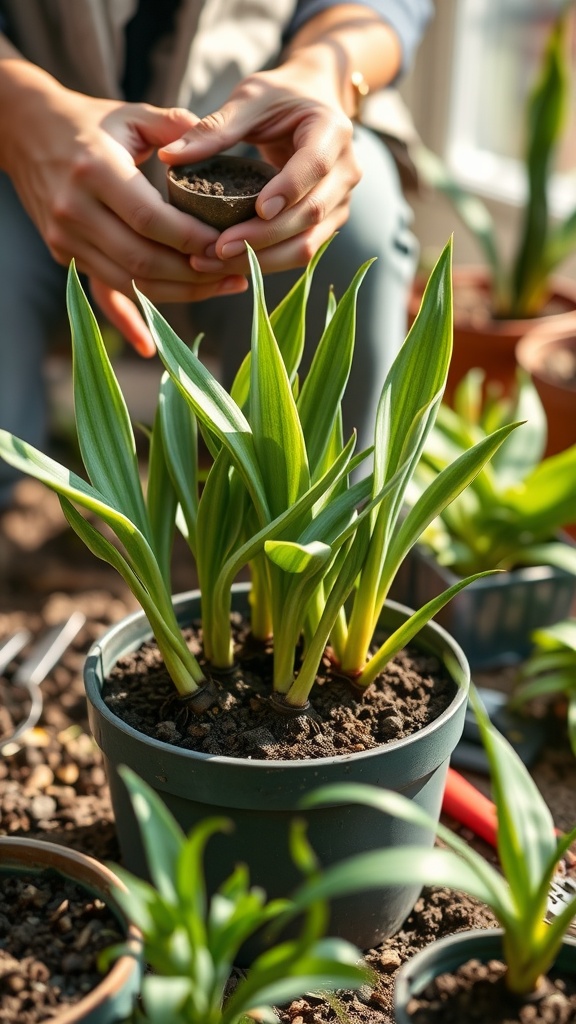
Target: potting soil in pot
411	693
51	932
217	180
476	993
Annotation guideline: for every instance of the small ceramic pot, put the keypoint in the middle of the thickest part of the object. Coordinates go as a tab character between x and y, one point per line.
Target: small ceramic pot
548	354
490	344
220	191
112	1000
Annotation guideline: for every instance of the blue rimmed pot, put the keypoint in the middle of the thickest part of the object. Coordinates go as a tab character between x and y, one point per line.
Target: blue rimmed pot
113	999
261	797
492	618
448	954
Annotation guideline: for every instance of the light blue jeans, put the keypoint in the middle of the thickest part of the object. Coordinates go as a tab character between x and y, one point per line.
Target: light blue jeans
32	301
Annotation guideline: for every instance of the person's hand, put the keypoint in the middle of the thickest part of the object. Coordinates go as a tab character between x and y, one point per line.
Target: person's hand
307	138
75	168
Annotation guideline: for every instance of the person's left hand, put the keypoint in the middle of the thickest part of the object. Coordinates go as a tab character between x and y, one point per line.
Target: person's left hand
308	139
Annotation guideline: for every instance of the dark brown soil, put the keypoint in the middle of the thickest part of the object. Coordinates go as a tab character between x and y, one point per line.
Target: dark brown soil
52	784
411	693
51	932
216	179
477	992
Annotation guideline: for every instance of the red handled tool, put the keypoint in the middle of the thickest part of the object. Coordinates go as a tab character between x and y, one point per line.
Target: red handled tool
464	802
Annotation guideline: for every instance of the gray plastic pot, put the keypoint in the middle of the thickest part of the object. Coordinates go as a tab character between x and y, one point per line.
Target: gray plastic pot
449	953
113	999
492	618
261	797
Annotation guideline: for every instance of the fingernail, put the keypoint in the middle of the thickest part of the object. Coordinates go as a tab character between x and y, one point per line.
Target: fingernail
272	207
232	249
233	284
210	251
175	147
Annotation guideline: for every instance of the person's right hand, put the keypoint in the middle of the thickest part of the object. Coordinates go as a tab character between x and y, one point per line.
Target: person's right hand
74	160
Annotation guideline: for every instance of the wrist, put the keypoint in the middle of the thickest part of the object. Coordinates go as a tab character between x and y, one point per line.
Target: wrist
25	92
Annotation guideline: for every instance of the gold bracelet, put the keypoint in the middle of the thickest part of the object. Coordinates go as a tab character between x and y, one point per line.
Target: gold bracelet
360	89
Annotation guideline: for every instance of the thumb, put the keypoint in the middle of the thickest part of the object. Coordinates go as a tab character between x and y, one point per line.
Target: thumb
124	315
160	126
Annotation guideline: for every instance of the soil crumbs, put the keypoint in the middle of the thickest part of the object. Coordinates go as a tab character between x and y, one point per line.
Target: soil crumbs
48	958
53	786
216	179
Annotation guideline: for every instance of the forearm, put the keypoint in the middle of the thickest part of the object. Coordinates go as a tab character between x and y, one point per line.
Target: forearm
342	40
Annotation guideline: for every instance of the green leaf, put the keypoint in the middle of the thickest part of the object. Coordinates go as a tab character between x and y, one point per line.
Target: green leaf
164	999
322	391
547	113
209	401
278	438
103	425
473	213
162	838
299	559
547	498
403	865
180	441
526	837
288	321
444	488
161	500
410	628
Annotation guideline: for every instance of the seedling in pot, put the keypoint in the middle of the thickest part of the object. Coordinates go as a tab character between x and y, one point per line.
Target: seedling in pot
511	515
191	942
520	285
529	850
278	497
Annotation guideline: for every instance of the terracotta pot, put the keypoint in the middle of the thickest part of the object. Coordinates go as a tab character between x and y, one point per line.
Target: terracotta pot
548	353
113	999
219	210
261	797
484	342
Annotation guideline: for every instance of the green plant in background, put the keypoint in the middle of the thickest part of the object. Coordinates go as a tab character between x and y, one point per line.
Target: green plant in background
520	284
279	498
190	942
550	671
528	849
511	514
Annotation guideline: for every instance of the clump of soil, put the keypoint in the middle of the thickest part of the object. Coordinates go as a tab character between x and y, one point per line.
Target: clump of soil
217	179
51	932
412	692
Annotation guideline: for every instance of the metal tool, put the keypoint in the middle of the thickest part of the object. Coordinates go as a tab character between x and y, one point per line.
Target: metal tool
45	654
11	646
470	807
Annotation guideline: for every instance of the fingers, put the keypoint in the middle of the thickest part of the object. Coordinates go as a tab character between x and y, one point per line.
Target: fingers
283	244
123	189
123	313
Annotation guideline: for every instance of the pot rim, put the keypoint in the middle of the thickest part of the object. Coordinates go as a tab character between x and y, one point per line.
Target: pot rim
27	854
420	969
93	667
